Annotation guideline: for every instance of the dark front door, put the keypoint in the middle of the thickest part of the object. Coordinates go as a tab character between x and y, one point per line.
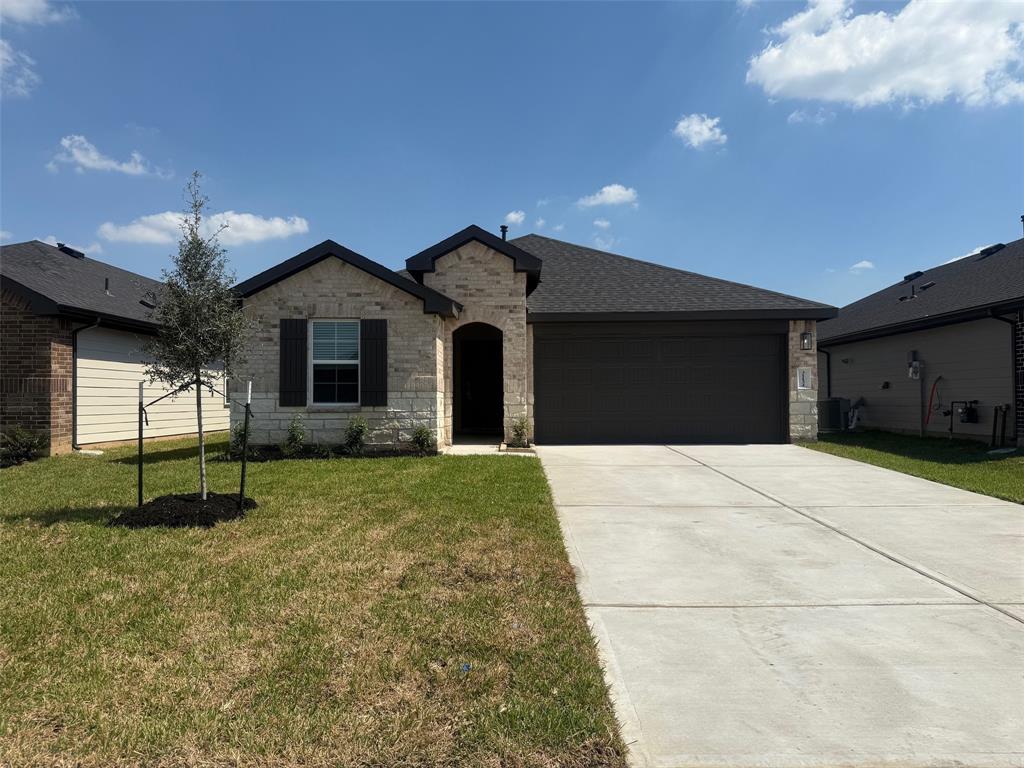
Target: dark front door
714	382
479	395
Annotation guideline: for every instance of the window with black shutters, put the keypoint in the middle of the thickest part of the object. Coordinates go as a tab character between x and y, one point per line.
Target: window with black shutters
334	362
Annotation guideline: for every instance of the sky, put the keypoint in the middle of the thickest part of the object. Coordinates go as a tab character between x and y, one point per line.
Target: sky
821	149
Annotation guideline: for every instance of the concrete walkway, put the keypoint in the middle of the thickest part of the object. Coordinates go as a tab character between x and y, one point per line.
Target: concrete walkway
776	606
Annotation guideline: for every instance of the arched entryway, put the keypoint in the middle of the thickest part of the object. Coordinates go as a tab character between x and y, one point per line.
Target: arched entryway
478	398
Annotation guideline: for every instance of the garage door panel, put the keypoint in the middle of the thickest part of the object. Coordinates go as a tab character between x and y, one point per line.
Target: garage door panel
599	384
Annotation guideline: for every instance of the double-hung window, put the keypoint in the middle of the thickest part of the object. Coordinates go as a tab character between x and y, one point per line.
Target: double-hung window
335	361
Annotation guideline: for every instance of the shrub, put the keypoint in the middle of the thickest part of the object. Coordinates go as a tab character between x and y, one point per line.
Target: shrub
423	440
520	433
355	435
18	445
294	444
236	440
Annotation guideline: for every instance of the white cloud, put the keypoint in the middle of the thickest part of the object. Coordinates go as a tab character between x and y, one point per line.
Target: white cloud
698	131
86	249
5	235
861	266
18	75
540	223
604	243
82	155
34	12
542	202
558	227
612	194
163	228
975	252
925	53
602	223
515	217
818	117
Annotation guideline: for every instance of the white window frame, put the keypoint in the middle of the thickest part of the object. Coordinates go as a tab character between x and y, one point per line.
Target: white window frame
358	363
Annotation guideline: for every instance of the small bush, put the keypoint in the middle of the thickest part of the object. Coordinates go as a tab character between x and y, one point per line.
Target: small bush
237	439
423	440
355	435
18	445
520	433
295	444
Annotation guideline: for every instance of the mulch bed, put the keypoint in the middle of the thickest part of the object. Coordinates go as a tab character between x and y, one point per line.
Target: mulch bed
184	510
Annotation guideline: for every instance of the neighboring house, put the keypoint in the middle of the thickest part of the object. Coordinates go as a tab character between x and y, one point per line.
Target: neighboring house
478	332
71	336
962	322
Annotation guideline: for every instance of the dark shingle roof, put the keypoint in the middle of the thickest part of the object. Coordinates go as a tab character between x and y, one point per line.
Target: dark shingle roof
55	282
973	284
579	280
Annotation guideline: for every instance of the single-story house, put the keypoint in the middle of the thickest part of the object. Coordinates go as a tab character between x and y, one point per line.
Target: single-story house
479	332
940	341
72	331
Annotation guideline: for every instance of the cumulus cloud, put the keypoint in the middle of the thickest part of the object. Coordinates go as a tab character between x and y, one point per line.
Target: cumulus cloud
5	235
515	218
699	131
34	12
612	194
540	223
558	227
819	116
88	250
82	155
604	243
18	75
242	228
602	223
862	266
925	53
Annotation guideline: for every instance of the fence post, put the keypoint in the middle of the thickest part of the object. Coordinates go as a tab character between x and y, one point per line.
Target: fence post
141	412
245	447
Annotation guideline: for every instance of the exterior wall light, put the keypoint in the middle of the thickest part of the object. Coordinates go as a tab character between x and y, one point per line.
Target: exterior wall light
806	340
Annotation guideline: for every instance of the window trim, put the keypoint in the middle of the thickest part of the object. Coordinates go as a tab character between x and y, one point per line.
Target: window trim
358	362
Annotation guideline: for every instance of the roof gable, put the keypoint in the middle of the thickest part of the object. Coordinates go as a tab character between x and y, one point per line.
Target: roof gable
433	302
524	262
958	290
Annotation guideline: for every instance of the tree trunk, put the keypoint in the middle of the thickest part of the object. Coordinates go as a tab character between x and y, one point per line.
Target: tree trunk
202	443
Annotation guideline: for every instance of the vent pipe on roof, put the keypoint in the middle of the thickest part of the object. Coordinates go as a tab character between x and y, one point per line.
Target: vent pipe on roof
106	286
504	230
70	251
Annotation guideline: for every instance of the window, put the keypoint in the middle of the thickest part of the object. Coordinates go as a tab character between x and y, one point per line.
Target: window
335	362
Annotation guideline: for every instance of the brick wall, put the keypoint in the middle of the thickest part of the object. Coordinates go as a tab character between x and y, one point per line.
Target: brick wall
35	373
491	291
803	403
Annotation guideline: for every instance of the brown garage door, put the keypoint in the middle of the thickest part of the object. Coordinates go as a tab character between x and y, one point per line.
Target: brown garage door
714	382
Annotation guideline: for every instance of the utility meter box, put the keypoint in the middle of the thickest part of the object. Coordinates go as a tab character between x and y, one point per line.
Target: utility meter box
914	369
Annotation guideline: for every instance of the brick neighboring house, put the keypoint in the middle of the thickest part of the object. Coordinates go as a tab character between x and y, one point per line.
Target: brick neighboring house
71	336
478	332
963	324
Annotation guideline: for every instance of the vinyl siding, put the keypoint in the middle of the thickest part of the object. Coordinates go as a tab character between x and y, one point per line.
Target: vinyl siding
108	369
973	359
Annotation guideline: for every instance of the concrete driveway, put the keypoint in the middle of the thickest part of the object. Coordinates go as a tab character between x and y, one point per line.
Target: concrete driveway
776	606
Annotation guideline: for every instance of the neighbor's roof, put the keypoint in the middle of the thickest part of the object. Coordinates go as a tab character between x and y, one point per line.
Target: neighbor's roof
991	280
56	282
583	281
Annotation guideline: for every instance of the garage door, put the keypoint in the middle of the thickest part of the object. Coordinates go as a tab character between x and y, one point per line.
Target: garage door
721	382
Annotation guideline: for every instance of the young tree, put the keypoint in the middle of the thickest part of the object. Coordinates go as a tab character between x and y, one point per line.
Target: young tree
201	322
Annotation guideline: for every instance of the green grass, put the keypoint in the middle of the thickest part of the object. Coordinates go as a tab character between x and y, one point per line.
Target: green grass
397	611
961	463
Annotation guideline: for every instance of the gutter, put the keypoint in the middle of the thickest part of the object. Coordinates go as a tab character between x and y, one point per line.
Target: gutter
74	381
1013	357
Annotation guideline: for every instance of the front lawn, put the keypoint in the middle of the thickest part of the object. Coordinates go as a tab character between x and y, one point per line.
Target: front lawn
397	611
961	463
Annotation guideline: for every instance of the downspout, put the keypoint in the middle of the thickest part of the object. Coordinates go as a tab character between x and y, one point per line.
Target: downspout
828	372
74	382
1013	361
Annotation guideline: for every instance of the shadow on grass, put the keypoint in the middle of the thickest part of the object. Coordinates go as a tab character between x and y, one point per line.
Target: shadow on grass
940	450
47	517
152	455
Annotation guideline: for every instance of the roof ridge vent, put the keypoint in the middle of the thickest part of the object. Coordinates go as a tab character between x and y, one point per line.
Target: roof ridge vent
913	275
70	251
984	253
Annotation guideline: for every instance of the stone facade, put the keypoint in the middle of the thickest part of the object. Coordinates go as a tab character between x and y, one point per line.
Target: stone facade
1018	373
803	403
333	289
35	373
491	291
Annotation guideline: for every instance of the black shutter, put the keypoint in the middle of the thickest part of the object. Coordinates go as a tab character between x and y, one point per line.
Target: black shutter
373	362
292	383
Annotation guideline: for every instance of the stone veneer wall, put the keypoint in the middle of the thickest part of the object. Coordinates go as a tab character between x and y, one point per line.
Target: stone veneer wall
35	373
1018	373
491	291
332	289
803	403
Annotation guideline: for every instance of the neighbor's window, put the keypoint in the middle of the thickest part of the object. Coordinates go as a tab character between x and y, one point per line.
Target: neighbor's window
335	361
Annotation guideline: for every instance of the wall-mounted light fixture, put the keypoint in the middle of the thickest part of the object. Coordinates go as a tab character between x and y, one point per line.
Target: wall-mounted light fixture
806	340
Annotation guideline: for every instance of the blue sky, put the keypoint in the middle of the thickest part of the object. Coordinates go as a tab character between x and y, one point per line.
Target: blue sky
388	127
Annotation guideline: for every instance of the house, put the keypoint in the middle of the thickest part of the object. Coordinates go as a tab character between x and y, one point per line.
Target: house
478	332
71	336
939	341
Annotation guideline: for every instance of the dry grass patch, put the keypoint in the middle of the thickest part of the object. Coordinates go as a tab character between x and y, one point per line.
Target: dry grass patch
398	611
